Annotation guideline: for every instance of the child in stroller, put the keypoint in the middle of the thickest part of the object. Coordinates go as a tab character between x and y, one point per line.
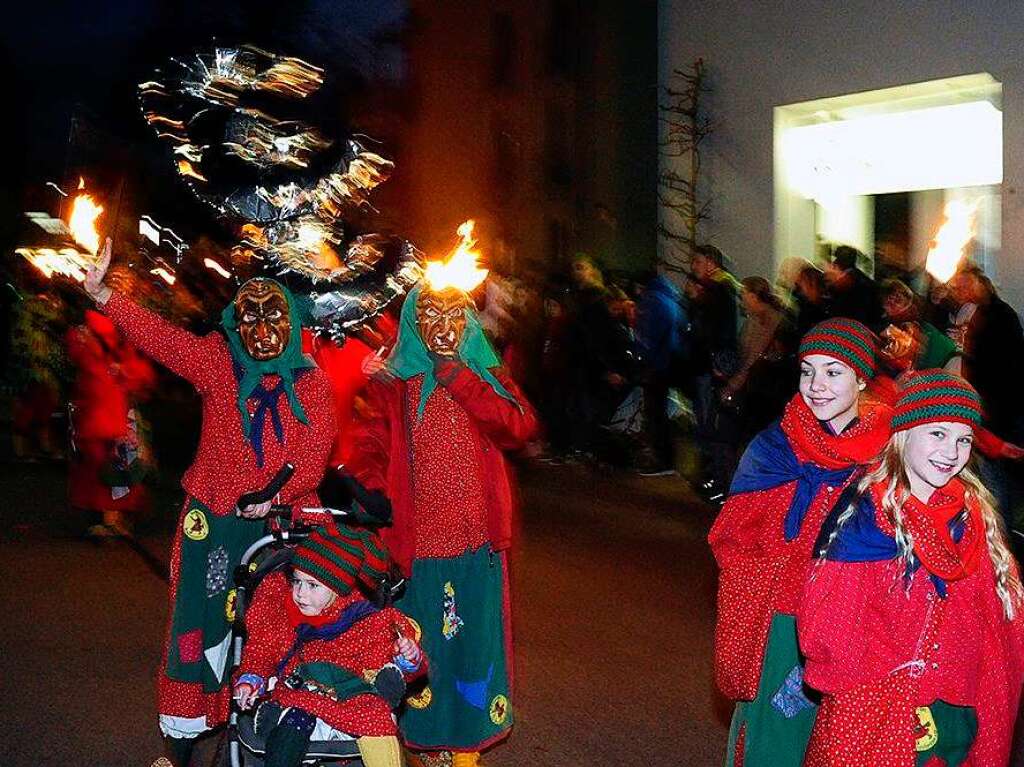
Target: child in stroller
327	663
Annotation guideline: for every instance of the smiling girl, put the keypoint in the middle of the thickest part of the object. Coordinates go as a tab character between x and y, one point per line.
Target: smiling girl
912	624
788	481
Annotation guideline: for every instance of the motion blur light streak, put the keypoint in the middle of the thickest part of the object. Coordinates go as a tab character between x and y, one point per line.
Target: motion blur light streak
209	263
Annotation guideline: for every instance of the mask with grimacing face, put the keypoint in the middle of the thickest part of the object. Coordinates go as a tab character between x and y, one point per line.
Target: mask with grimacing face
441	320
262	318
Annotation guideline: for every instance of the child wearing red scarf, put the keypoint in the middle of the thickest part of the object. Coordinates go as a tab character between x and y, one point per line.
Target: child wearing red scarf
789	479
338	662
911	624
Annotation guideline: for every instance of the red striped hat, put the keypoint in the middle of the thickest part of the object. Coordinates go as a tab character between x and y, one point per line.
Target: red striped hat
342	559
928	396
846	340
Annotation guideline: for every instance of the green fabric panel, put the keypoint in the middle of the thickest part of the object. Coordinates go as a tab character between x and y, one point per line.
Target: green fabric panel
938	349
194	608
772	739
345	684
474	655
956	727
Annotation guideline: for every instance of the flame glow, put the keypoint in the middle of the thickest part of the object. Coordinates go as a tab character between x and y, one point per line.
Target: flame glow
947	249
82	221
66	261
461	270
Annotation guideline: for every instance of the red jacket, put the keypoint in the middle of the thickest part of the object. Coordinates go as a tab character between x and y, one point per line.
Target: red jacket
366	647
225	464
381	450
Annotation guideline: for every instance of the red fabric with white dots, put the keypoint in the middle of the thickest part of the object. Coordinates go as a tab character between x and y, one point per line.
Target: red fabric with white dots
225	464
367	646
857	623
761	572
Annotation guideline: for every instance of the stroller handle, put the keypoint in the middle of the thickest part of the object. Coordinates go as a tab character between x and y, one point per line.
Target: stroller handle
272	488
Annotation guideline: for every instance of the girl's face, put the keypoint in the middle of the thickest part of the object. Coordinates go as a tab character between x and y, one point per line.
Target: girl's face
311	596
934	454
831	389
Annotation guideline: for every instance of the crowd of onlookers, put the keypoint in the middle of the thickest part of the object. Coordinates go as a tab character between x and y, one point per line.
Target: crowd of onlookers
612	362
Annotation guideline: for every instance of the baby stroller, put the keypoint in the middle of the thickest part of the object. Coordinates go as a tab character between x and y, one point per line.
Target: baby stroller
243	744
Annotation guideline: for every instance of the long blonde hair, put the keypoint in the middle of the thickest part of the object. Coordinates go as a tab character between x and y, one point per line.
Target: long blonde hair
892	470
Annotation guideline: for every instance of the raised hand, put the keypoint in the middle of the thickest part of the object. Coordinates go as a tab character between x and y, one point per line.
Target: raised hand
94	285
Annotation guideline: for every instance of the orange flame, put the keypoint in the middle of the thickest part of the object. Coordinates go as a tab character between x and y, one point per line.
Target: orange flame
82	221
461	270
956	231
66	261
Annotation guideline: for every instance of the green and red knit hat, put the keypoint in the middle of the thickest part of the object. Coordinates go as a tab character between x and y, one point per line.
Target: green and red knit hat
846	340
928	396
343	558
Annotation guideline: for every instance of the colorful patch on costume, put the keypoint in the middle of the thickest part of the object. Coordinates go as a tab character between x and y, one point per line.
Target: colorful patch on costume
216	571
452	622
499	709
789	699
195	526
475	693
421	699
190	646
926	733
229	606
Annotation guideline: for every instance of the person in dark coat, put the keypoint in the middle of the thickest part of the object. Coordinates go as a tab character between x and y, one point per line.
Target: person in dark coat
852	293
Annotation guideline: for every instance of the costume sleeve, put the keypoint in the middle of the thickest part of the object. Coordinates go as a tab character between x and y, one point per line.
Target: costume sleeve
747	523
510	425
176	349
266	622
831	623
371	439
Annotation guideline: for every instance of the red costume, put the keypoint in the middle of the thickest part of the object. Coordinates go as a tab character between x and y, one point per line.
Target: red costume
112	376
365	647
226	466
879	646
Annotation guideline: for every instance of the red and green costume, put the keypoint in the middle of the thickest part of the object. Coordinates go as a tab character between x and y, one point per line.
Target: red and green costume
285	415
789	479
917	664
435	446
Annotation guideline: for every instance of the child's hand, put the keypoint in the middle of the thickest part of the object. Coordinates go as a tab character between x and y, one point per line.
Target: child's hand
408	649
246	695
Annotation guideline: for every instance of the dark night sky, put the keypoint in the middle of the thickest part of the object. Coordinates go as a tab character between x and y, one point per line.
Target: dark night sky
89	55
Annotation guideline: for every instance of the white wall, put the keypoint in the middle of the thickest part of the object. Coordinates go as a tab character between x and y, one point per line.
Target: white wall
766	54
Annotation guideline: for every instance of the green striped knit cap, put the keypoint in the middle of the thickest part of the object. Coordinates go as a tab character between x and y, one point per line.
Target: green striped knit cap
846	340
930	396
343	558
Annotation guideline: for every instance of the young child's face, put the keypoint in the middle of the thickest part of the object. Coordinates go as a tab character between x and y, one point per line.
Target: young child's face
311	596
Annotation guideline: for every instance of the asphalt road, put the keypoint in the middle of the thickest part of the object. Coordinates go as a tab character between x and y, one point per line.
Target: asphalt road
613	597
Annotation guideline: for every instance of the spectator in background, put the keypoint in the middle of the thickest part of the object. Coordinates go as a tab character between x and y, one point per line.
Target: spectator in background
755	386
593	342
660	320
910	342
809	299
712	295
851	293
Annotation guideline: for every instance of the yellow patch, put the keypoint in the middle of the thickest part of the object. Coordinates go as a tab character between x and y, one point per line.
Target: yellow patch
195	525
926	732
499	709
229	606
422	700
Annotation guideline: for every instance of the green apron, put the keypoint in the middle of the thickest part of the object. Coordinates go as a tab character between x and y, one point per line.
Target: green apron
779	720
211	547
946	732
458	605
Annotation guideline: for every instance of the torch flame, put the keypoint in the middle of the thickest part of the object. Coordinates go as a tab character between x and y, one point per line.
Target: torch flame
66	261
82	221
460	271
956	231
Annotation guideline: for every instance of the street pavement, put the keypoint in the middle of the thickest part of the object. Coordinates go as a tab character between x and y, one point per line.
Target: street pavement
613	593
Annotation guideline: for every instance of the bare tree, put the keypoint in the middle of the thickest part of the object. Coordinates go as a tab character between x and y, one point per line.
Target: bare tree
687	125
